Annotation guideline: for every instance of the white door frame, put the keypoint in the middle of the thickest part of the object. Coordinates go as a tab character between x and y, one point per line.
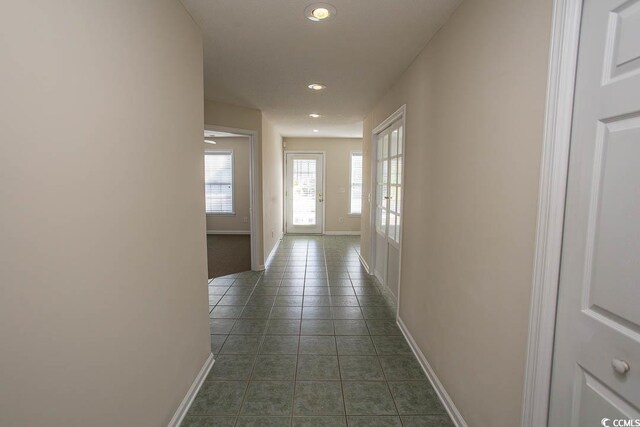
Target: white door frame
324	183
254	224
563	58
399	114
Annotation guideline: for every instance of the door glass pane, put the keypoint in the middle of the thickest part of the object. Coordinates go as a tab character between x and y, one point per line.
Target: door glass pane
397	233
394	143
394	170
399	177
400	140
385	167
385	147
393	199
379	173
304	191
383	219
399	200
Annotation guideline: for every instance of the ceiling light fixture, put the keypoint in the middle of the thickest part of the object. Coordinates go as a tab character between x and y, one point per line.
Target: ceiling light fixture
314	115
319	12
316	131
316	86
210	141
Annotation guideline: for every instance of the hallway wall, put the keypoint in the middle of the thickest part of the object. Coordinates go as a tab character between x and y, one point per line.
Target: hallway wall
103	287
338	165
474	128
272	186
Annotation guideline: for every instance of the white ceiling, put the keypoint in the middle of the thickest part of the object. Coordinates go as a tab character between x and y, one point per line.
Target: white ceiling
264	53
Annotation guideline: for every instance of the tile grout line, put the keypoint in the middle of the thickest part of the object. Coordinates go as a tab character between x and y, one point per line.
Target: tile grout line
335	340
295	374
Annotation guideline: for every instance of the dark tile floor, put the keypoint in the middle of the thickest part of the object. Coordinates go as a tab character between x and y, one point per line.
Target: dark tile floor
312	341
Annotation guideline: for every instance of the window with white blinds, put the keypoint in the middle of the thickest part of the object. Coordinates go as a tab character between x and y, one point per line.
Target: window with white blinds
218	182
355	193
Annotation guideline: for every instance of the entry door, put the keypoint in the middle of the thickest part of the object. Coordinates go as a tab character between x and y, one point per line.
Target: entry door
389	163
596	366
304	193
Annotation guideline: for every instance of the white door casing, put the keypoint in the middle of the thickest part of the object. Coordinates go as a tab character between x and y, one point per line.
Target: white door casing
598	316
304	178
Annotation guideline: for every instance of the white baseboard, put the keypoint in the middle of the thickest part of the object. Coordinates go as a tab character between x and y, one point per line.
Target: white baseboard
272	253
181	412
246	232
378	276
384	288
451	408
364	264
341	233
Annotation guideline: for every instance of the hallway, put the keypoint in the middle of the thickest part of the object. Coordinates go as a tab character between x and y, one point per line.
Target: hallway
312	341
429	207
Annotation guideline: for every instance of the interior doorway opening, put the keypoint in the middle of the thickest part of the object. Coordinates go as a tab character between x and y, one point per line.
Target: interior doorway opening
229	187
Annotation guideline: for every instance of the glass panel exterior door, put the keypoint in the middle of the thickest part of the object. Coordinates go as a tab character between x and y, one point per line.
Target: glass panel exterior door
304	186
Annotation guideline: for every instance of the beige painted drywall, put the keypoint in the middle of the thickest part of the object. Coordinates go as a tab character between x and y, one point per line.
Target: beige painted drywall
103	276
242	118
239	221
337	165
475	104
272	178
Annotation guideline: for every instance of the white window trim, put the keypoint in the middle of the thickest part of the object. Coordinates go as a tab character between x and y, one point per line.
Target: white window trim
350	213
233	182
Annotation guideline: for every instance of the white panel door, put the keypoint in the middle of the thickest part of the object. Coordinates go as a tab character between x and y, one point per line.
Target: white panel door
389	154
596	366
304	193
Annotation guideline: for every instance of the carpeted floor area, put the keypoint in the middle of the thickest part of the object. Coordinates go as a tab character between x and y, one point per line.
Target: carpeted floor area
228	254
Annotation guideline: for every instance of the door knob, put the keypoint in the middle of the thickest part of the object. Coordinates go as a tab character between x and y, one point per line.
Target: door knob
620	366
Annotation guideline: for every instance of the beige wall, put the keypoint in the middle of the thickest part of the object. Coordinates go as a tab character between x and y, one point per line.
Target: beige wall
103	277
232	116
272	177
239	221
338	165
475	103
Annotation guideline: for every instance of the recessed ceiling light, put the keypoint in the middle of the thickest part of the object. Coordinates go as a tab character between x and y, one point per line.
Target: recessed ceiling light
316	86
316	131
319	12
210	141
314	115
